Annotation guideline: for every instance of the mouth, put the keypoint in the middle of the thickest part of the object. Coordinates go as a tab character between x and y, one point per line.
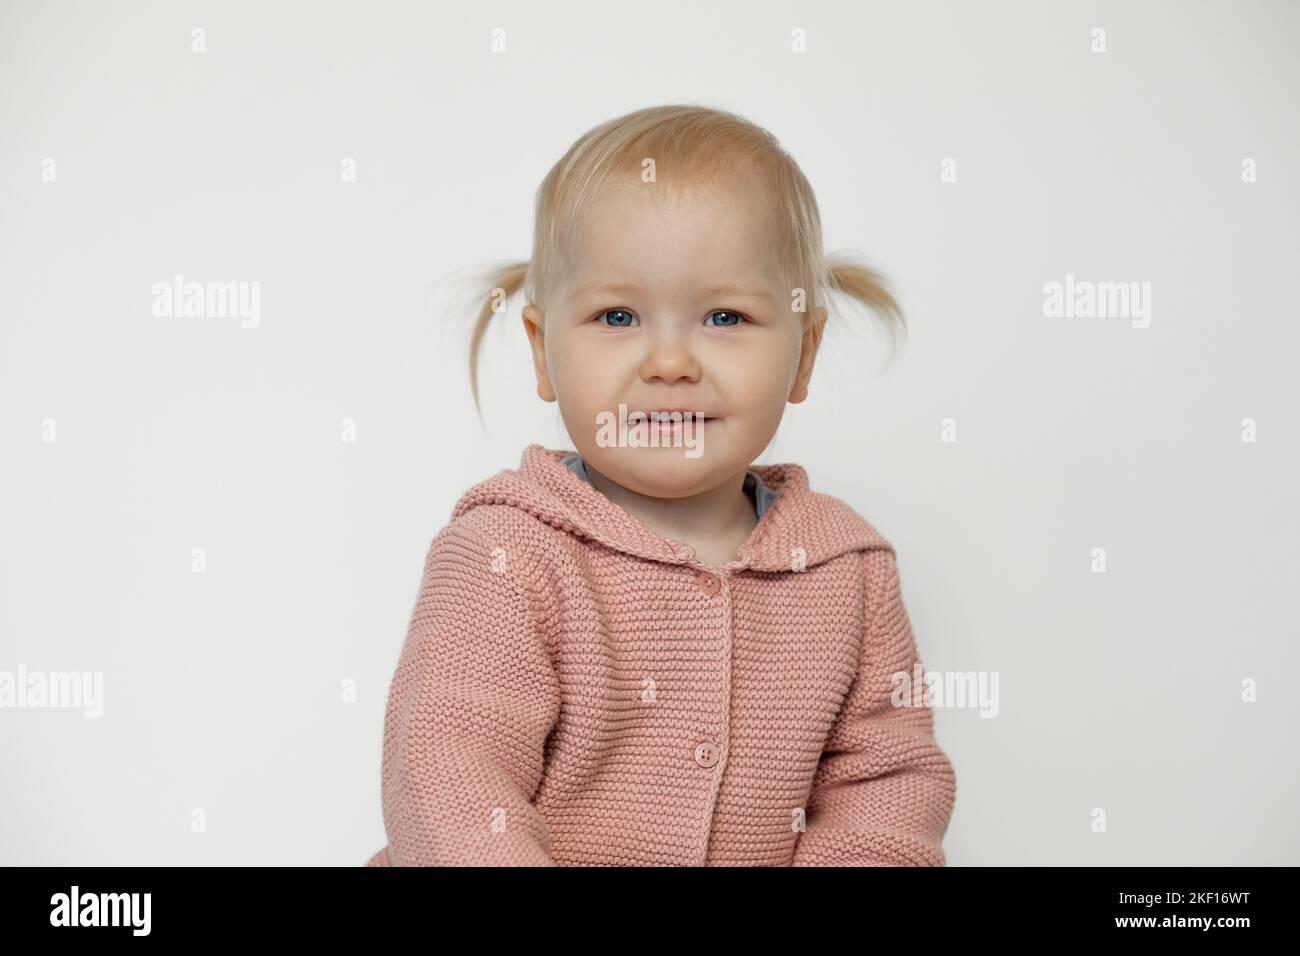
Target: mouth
674	415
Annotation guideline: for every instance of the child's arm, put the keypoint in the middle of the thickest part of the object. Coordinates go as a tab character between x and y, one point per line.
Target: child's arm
472	702
884	790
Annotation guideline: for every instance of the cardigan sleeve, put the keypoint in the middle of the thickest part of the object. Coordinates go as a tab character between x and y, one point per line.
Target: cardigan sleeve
470	707
883	791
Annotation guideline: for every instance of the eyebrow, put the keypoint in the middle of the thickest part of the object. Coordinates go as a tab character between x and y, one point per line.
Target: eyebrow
625	288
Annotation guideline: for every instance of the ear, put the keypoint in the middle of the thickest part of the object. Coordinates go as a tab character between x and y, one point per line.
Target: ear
812	340
536	330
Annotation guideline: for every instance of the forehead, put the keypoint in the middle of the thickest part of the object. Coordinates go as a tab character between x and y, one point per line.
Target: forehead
687	240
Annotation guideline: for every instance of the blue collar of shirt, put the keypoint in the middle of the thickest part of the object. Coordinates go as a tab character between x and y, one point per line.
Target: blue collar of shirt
763	495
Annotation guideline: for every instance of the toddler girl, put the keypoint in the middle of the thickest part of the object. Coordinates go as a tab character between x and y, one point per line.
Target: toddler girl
646	650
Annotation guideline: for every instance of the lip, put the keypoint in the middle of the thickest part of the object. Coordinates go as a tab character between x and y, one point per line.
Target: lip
695	415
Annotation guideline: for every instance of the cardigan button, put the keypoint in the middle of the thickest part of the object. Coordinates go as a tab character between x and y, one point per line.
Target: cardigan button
708	582
706	755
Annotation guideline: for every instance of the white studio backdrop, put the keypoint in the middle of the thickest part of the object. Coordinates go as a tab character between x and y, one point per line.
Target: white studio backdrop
182	511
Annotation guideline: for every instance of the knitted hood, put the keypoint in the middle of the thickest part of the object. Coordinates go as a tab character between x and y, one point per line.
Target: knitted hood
800	524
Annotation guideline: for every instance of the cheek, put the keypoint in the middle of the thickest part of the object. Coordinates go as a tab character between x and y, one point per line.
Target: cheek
579	376
764	373
560	360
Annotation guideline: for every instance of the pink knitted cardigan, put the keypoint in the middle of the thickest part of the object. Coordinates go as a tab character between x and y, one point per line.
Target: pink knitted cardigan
575	689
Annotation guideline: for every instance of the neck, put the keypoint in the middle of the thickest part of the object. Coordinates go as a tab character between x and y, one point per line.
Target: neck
718	513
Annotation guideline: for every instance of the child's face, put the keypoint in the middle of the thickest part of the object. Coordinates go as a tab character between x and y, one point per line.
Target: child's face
662	339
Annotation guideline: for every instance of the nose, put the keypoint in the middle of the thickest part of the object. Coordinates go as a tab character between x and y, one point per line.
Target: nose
668	359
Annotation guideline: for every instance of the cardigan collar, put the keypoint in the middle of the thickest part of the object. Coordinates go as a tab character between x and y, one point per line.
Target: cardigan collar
754	486
802	528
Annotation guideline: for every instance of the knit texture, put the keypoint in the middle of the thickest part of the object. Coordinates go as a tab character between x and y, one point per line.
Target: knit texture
575	689
753	484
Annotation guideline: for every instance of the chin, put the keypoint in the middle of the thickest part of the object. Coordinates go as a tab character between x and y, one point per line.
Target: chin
668	473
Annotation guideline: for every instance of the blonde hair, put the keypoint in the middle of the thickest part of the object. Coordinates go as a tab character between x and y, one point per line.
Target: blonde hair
689	145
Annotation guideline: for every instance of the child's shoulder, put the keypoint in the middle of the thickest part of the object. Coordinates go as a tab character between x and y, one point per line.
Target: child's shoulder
492	528
803	510
825	517
499	539
837	511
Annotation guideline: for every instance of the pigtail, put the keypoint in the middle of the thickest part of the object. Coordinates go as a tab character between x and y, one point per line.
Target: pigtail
859	281
502	282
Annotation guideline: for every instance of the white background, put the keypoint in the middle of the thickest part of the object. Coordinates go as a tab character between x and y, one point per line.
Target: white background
1119	691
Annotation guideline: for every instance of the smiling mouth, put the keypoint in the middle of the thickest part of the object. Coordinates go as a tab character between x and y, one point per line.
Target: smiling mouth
672	415
680	422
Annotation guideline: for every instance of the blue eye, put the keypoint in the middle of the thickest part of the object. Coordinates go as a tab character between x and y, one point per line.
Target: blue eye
728	325
622	312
